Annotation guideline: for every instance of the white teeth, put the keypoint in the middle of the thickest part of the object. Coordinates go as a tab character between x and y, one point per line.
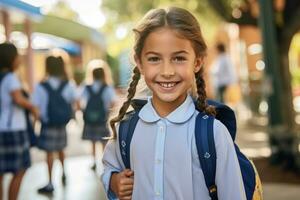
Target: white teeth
167	85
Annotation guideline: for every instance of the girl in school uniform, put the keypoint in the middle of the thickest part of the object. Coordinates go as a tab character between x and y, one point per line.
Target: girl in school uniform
96	101
14	140
169	52
54	97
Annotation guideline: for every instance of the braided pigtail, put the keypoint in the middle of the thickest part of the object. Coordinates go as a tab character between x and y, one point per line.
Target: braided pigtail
131	92
201	100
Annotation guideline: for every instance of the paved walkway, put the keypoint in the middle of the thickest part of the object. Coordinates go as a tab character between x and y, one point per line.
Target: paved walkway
84	184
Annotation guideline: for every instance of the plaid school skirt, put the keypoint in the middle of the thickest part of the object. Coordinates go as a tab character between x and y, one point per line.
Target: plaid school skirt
95	133
52	138
14	151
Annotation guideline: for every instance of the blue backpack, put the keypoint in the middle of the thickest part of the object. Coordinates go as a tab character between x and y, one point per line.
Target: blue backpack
95	112
59	110
205	146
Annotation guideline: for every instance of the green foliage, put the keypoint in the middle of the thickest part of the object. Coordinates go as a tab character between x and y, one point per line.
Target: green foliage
126	13
63	10
114	66
295	77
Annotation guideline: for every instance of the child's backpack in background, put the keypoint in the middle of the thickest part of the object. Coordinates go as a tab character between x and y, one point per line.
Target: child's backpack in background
95	112
58	109
204	138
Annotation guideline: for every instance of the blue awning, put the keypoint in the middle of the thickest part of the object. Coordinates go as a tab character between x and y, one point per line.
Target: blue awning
22	6
42	41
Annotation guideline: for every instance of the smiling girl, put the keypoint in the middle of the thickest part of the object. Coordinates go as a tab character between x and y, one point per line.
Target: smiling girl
169	51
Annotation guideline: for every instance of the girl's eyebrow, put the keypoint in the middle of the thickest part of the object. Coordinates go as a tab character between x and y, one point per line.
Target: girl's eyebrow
152	52
174	53
179	52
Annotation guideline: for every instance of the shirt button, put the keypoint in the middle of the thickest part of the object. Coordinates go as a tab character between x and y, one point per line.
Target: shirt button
157	193
158	161
161	129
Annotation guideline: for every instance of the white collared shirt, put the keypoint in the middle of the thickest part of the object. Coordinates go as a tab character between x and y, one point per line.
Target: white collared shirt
165	161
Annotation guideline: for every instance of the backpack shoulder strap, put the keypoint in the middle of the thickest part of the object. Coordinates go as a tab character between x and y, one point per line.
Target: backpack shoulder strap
92	93
47	86
62	86
126	130
90	90
204	137
102	89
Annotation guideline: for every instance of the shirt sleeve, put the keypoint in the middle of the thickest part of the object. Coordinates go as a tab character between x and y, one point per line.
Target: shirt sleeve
228	173
14	83
70	92
112	162
110	95
39	98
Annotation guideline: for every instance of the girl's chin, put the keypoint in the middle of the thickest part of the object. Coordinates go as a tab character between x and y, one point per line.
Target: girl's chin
169	98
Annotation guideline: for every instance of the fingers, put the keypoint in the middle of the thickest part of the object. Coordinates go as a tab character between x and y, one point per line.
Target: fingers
125	188
125	195
126	198
128	172
126	181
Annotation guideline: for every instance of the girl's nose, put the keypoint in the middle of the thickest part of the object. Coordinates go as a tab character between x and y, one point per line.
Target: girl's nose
167	70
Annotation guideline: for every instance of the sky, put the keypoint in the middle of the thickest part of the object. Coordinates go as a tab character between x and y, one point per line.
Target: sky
88	10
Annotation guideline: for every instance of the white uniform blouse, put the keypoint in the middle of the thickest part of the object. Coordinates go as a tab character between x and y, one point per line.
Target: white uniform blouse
165	161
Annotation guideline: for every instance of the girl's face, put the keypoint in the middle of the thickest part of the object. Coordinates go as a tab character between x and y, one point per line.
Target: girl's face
168	63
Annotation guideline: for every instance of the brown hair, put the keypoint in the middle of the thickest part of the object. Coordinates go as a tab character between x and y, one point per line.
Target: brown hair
186	25
98	74
55	66
8	54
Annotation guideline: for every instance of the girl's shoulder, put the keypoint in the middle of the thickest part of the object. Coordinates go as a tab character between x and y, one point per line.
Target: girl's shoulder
11	76
11	81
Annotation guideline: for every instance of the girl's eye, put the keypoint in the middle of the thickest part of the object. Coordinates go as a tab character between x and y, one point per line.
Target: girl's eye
153	59
179	59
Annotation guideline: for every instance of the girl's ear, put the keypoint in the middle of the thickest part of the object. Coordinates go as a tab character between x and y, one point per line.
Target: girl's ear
198	64
139	64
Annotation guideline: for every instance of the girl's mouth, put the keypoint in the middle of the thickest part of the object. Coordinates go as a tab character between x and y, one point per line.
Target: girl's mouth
167	85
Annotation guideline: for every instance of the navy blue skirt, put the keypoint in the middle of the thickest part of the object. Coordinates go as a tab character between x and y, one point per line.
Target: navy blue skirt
52	139
95	133
14	151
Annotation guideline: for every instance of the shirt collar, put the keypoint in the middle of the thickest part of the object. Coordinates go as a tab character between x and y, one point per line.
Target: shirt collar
179	115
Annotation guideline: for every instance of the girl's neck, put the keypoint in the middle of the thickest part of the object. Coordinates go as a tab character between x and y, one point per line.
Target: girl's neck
163	108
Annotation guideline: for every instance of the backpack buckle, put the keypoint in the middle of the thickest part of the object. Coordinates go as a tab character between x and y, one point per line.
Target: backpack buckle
205	117
206	155
213	191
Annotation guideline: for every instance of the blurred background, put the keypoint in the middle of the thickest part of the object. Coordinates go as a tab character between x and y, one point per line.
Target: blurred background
262	39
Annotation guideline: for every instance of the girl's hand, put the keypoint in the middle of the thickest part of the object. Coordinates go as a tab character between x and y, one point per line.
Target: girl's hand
122	184
35	112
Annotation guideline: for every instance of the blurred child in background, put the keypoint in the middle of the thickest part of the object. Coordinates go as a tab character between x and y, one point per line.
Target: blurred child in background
96	100
14	140
55	97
